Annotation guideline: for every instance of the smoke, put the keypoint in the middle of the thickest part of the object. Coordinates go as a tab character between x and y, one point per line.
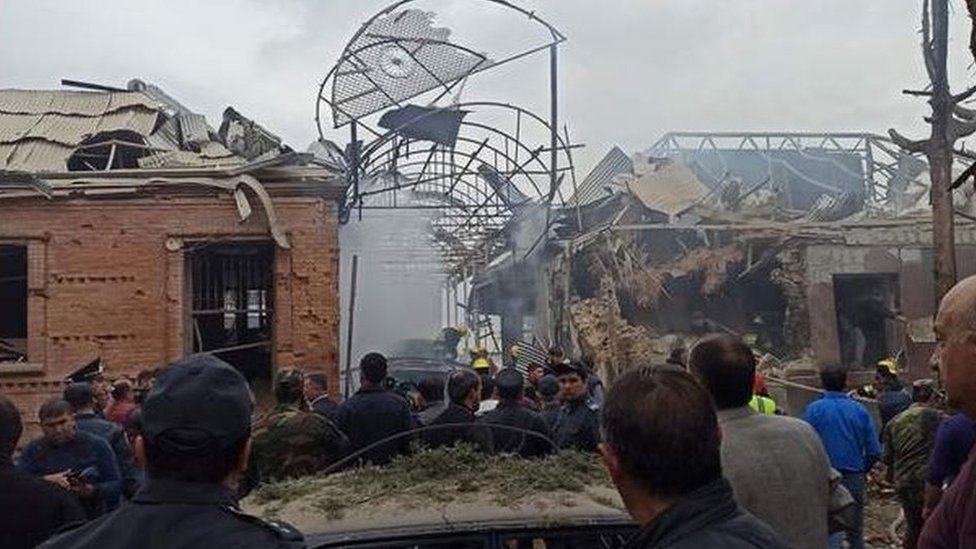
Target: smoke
400	281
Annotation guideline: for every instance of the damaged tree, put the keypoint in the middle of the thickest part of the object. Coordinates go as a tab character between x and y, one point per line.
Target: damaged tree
949	122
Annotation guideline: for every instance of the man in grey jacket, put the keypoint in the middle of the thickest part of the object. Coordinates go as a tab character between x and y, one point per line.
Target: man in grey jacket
777	465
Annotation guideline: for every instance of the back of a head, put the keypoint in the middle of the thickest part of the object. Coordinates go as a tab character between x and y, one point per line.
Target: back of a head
431	388
661	426
196	420
373	368
122	390
510	384
11	428
726	366
79	395
320	379
833	379
549	386
487	386
923	390
460	383
289	386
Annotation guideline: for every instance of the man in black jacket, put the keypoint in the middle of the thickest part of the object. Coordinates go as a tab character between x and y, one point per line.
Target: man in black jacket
31	508
464	392
662	450
534	439
374	413
577	425
316	391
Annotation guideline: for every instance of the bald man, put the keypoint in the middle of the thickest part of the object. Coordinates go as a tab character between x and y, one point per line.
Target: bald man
953	523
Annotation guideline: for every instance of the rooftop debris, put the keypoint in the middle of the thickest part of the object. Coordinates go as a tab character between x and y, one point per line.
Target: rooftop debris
43	131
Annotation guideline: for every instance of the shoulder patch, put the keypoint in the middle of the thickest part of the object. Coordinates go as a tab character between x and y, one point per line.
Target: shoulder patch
281	530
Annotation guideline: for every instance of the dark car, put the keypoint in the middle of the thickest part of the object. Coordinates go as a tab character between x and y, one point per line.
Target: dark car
412	370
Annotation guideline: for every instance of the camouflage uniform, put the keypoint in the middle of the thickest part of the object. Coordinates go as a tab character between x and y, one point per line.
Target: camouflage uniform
291	442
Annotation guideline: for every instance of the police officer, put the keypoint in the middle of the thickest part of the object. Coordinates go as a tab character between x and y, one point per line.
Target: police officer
195	443
534	439
577	425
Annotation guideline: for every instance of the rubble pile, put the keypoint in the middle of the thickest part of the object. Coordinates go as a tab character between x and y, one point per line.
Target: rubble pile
613	344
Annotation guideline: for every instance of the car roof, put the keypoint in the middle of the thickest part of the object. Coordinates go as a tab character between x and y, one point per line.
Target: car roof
392	520
442	491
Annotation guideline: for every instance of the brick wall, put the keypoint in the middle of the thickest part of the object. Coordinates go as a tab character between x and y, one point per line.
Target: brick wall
106	278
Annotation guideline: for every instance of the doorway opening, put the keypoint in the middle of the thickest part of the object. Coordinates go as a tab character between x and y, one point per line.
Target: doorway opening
867	307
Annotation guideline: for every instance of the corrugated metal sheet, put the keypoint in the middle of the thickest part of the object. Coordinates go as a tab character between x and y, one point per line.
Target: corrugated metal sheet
139	120
615	163
194	129
71	102
13	127
67	130
40	129
213	149
671	189
72	129
186	159
34	155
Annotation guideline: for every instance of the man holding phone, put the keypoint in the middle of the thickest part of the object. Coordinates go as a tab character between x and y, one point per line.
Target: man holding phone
76	461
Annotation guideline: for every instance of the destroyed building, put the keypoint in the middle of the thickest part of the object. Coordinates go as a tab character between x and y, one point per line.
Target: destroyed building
133	232
817	248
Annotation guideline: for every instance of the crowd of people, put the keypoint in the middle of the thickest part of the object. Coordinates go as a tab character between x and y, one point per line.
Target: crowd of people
701	455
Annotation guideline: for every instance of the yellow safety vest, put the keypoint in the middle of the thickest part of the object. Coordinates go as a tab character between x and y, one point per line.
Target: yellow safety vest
763	405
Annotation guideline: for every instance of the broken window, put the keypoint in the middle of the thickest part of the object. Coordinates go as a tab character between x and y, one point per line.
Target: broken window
867	305
231	309
13	303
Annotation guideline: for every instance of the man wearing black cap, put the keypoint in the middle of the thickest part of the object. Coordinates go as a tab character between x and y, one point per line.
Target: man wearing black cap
195	443
80	397
31	509
577	425
534	440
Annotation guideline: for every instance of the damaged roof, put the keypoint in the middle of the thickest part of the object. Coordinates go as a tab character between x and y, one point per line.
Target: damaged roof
53	131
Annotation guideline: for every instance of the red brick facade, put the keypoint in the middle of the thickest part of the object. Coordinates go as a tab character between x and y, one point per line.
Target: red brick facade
106	277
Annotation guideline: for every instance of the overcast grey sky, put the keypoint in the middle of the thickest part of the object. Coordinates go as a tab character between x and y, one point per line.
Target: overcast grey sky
631	69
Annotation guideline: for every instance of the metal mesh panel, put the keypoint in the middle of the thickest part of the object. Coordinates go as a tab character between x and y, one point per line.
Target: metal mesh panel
399	56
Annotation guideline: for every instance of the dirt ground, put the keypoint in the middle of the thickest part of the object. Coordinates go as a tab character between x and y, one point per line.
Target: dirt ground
882	510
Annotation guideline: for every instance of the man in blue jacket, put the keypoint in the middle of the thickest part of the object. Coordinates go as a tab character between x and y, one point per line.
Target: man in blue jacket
851	439
74	460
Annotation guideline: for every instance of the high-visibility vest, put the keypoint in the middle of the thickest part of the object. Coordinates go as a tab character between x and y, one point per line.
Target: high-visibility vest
763	405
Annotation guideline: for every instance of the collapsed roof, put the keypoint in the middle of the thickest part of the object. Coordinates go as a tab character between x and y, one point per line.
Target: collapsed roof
52	131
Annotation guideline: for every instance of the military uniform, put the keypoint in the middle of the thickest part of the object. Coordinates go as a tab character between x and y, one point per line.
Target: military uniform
291	443
577	426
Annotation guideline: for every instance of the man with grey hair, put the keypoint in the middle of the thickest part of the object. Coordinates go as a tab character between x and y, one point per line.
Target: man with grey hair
953	523
458	422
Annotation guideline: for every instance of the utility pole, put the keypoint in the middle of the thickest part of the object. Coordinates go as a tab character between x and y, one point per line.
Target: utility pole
949	123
